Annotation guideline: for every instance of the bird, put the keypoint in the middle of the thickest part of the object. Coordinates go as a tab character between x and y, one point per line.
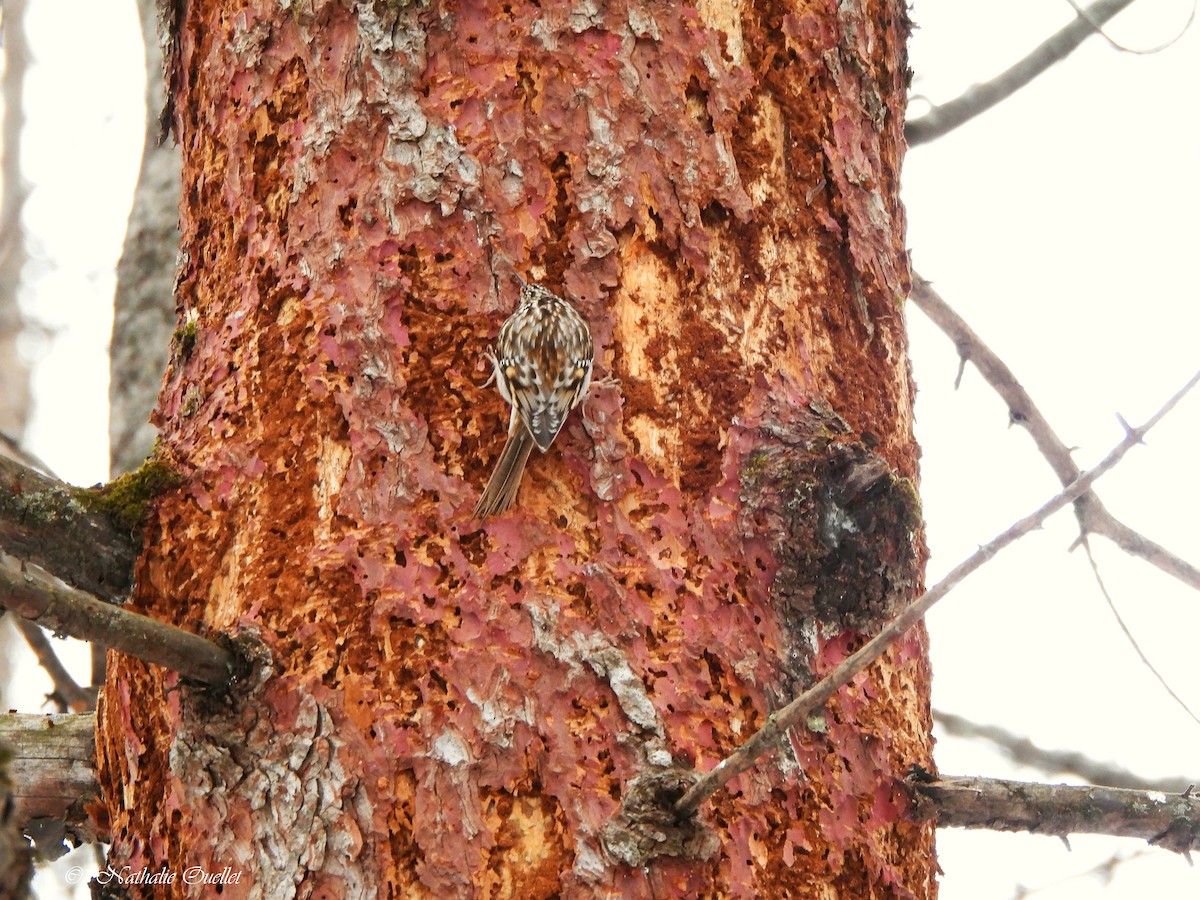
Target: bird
542	365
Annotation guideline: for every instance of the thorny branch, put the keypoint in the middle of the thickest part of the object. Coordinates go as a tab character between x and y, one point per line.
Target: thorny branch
768	737
1091	513
981	97
1171	822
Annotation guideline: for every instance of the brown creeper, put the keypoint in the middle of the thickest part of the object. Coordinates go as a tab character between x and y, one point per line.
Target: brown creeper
542	364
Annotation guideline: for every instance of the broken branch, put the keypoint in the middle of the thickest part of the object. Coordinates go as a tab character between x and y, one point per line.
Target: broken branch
1168	821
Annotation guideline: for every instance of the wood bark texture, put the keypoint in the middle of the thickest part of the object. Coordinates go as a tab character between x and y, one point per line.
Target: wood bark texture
51	772
57	526
457	709
1168	820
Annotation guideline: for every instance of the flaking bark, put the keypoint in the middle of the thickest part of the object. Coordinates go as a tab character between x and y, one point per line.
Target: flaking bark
457	708
51	775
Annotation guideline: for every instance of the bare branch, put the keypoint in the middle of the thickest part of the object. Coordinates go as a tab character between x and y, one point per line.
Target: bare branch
1093	517
51	769
65	610
1168	821
982	97
1098	520
66	690
1149	51
52	766
46	522
1024	752
768	737
971	348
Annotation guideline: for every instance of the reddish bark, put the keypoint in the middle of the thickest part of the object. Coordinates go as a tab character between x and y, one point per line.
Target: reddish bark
456	709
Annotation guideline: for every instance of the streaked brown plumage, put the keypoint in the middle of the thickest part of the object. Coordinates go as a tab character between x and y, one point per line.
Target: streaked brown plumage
542	365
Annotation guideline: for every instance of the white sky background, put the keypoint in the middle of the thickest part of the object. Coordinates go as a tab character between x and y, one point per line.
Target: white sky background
1062	225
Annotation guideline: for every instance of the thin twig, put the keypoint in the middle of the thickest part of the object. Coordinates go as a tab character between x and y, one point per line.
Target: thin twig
66	689
1150	51
65	610
1093	517
982	97
768	737
1137	648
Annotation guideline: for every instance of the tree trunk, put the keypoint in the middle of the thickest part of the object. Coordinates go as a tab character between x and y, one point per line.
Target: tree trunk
16	861
144	313
14	372
456	708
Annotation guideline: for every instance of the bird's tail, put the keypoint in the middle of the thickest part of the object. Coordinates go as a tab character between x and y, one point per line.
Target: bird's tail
501	488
